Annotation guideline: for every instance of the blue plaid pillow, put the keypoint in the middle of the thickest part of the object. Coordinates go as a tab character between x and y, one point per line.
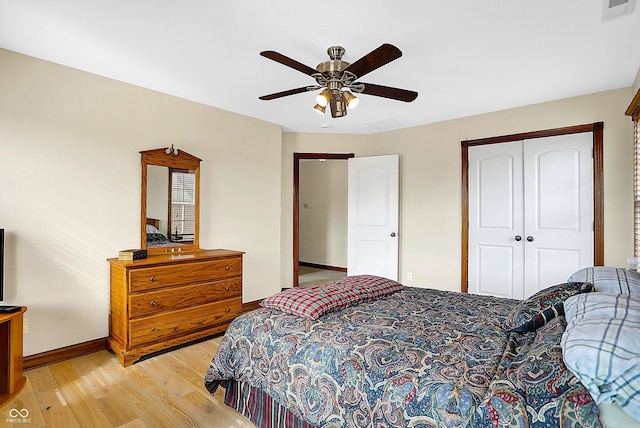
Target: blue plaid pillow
609	279
534	312
601	347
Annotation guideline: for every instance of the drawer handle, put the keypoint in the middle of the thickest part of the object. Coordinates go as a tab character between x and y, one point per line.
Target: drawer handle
228	267
228	288
153	329
153	303
153	278
228	310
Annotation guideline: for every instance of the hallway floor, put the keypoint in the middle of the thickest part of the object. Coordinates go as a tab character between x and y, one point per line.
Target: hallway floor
309	276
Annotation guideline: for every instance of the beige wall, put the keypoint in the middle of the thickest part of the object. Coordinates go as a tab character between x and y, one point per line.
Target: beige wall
70	189
430	179
323	212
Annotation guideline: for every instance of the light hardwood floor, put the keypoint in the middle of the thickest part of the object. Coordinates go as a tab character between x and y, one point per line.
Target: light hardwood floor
308	277
96	391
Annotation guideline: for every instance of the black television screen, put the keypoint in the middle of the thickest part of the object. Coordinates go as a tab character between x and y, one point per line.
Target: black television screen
1	264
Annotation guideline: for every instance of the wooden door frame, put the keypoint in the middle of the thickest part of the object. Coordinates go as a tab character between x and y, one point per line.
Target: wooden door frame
297	157
596	129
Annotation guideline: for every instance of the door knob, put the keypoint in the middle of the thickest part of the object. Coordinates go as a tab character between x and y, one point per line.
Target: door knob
393	234
530	238
518	238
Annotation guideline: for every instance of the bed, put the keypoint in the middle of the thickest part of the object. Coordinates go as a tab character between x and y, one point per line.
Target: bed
369	352
156	239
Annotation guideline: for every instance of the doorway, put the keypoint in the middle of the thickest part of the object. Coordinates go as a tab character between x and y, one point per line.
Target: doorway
297	159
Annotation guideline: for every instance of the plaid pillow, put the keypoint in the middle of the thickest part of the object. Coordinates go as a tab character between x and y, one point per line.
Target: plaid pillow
316	301
373	287
610	279
537	310
601	347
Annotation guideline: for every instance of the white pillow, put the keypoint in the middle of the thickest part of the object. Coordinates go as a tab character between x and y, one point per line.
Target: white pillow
152	229
600	346
609	279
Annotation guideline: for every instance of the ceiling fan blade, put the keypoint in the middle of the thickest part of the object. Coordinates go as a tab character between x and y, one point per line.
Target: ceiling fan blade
389	92
285	60
287	93
374	59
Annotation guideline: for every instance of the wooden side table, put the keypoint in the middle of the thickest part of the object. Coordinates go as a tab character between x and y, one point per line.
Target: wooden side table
12	379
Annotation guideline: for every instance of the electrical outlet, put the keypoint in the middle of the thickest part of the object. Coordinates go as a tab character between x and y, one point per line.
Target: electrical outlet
409	276
25	326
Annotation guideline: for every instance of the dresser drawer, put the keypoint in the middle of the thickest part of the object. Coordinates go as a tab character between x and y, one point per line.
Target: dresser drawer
183	273
152	302
176	323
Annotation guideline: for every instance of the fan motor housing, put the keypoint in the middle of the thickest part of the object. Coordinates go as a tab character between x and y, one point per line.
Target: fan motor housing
335	64
332	66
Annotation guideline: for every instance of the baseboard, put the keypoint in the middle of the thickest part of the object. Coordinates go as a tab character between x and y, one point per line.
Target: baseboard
318	266
246	307
61	354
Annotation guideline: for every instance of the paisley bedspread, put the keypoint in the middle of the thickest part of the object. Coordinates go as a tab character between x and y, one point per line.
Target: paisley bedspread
417	358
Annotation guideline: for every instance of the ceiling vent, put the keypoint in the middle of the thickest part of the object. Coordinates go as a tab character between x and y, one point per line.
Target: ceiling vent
384	124
616	8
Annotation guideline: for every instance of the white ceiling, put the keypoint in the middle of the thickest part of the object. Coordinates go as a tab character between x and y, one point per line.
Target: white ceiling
463	57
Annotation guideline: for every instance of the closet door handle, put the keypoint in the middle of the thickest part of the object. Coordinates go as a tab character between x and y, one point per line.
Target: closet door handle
393	234
530	238
518	238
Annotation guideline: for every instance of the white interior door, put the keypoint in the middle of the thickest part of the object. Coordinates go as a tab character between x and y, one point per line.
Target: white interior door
496	253
530	214
559	216
372	244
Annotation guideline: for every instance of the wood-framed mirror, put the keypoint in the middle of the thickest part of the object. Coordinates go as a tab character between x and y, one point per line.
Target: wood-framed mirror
170	201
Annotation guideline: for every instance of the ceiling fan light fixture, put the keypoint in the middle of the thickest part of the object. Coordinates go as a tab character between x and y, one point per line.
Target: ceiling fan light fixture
319	109
341	107
323	97
350	100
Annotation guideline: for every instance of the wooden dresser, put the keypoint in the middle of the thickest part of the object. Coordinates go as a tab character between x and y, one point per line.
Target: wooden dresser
171	299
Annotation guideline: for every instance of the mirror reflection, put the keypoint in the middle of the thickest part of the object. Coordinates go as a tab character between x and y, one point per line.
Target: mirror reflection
170	215
157	201
170	200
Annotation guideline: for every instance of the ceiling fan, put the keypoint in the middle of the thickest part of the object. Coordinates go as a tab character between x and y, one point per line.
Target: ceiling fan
337	79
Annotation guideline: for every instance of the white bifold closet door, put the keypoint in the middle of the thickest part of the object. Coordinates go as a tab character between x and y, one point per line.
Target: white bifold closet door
531	214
